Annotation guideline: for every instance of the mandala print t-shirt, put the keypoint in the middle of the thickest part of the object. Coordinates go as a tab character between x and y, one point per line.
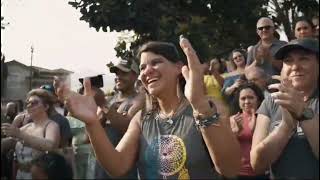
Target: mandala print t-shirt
173	149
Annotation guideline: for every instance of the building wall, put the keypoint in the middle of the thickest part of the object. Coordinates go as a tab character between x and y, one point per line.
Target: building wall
18	82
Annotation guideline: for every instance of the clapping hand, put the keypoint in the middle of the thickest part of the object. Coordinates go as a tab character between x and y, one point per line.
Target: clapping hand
288	97
82	107
236	123
193	73
238	83
262	53
290	100
10	130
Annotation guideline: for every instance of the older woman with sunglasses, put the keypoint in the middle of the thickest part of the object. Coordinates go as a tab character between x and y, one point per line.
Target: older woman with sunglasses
177	136
235	78
35	138
238	60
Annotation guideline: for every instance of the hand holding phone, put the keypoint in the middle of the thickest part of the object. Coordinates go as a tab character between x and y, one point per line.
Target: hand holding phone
96	81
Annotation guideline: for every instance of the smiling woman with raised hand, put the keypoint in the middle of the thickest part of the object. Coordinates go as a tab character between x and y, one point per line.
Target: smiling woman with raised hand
177	136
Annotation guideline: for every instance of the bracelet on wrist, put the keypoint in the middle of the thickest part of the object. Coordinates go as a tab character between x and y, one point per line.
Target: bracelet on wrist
208	121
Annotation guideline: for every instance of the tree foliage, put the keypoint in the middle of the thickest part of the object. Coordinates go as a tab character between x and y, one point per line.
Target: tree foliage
285	12
214	26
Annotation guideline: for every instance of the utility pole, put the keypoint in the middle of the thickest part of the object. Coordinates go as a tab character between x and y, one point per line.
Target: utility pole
31	73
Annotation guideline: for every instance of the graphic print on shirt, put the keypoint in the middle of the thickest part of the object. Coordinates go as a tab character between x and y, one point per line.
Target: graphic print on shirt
168	154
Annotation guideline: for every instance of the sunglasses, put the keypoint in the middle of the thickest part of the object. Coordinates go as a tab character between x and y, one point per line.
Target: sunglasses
264	27
32	103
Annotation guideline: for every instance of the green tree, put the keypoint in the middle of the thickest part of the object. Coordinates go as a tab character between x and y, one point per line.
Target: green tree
285	12
215	27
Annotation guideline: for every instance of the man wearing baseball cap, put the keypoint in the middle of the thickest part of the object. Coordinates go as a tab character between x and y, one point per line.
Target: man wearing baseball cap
286	137
125	66
121	108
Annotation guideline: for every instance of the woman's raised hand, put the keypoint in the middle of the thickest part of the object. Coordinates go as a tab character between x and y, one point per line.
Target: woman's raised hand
82	107
193	73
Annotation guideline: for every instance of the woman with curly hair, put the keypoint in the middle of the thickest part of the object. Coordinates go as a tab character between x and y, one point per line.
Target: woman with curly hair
32	139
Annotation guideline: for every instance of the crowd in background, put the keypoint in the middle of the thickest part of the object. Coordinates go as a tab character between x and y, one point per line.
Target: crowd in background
261	120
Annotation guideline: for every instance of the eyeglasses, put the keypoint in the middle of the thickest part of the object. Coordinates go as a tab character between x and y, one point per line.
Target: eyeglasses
32	103
264	27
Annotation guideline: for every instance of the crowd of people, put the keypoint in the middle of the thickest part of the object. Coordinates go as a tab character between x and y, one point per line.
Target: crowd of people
254	117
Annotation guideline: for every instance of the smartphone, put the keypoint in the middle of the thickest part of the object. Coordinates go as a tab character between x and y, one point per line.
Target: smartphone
96	81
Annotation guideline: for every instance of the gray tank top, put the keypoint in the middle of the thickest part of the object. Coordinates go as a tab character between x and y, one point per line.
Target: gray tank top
173	149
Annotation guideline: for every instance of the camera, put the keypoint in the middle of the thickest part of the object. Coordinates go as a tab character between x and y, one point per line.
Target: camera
96	81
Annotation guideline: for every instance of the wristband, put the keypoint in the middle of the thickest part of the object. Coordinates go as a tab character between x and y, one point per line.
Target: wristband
205	122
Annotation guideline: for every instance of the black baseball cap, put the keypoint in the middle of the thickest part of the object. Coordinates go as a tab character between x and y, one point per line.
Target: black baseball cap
308	44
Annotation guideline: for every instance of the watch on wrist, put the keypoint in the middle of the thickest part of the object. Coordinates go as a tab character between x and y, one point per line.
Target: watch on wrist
307	114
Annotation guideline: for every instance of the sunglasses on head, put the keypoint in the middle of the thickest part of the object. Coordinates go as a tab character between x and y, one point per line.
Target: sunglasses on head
264	27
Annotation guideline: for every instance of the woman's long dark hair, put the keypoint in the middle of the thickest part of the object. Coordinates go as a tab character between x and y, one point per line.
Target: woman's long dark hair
247	85
170	52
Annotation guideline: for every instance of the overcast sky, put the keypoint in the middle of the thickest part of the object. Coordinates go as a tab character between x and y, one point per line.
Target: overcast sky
59	38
